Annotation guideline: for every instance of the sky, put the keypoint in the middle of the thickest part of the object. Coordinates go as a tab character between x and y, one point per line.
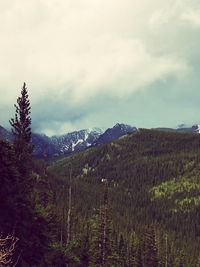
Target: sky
94	63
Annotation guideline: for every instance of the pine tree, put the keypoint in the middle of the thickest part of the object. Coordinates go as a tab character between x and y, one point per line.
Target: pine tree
132	250
139	257
151	253
21	129
9	177
181	260
94	242
122	251
22	136
198	262
113	258
105	230
29	226
102	251
104	240
21	123
84	257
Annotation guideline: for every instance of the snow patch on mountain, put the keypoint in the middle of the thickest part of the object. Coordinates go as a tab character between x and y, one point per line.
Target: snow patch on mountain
76	141
196	128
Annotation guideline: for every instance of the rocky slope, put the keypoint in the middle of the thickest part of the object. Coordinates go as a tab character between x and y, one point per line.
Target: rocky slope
76	141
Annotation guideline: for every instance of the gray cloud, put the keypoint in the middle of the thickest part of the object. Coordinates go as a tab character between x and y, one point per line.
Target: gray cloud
81	57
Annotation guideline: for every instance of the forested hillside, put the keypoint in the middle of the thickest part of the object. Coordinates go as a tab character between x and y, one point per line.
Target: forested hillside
153	184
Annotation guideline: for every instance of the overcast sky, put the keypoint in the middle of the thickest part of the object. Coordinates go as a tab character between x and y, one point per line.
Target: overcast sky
94	63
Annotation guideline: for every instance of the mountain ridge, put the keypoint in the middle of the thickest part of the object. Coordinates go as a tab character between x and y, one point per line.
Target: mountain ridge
76	141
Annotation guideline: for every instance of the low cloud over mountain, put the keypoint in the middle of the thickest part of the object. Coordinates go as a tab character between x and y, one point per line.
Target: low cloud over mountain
84	61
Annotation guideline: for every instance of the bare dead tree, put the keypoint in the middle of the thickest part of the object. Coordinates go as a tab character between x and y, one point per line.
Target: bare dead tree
7	250
104	223
69	207
62	218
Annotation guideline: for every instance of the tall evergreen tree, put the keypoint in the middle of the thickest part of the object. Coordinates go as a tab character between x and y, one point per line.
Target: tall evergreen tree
132	250
94	242
21	129
122	251
28	225
104	226
198	262
151	251
21	124
9	177
139	256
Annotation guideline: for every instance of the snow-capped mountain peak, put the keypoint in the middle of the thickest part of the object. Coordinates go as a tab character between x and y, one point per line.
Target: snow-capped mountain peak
196	128
75	141
80	140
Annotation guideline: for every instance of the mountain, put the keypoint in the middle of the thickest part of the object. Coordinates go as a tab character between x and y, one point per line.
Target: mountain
194	129
43	146
181	129
66	144
114	133
153	177
165	129
5	134
77	141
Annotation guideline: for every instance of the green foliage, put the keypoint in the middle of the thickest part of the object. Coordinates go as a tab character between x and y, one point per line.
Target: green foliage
146	215
183	193
153	178
151	250
18	208
22	121
9	184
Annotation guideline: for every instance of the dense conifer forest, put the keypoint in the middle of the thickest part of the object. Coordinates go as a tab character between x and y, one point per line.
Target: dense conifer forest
153	188
133	203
